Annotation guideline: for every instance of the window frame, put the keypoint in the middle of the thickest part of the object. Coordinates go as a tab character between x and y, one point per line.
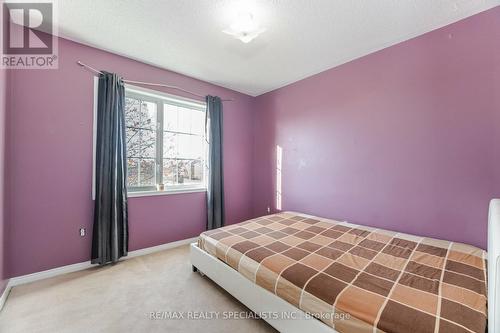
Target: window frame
159	143
159	98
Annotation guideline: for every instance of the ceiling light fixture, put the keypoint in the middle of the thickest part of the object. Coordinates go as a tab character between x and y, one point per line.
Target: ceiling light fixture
244	28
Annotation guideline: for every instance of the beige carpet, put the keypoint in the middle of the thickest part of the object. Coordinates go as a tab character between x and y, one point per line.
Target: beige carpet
120	298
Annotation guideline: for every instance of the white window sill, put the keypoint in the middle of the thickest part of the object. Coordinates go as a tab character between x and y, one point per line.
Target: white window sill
138	194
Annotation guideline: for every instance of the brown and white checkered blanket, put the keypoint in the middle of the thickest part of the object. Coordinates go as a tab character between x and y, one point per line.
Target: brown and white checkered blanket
358	279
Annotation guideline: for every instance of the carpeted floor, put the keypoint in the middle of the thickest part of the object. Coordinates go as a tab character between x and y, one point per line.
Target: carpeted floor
120	298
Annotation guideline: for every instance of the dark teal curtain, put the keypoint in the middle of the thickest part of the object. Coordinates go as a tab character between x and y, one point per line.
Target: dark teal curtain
110	232
215	191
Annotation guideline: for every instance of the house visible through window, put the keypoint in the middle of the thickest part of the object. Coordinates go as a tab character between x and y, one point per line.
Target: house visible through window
166	146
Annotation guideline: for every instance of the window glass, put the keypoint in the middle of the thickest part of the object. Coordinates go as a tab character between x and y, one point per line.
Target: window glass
165	144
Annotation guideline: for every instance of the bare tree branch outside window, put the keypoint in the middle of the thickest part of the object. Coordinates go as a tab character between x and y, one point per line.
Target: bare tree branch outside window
184	146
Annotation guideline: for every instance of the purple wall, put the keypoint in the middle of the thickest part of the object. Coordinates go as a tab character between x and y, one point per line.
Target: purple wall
49	161
404	139
3	113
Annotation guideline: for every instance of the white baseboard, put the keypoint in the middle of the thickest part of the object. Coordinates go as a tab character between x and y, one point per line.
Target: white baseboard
5	294
161	247
18	280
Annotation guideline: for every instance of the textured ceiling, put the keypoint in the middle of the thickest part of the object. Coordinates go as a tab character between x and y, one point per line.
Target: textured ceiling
303	37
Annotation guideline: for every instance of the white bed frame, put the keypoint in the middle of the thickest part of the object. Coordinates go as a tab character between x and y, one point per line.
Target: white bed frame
254	297
260	300
494	267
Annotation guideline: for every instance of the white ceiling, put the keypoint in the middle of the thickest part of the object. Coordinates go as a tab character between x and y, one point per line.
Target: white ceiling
303	37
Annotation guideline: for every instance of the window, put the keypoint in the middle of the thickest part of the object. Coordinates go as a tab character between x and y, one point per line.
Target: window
166	145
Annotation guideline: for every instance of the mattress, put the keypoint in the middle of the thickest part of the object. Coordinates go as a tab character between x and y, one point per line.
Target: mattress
356	278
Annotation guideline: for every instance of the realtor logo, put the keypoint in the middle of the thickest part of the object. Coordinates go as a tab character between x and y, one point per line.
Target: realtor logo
28	36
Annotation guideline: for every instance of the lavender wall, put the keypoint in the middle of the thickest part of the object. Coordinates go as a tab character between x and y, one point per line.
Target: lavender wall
3	113
49	161
404	139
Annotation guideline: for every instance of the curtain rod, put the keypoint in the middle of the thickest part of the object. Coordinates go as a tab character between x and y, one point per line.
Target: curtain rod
150	84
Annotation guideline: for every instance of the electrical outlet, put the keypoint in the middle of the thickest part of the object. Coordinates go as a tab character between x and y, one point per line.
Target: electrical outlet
82	232
268	209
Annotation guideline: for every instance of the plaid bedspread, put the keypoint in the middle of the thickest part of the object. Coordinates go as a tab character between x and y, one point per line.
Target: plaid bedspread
358	279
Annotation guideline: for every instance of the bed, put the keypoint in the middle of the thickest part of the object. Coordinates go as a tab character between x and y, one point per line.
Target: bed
305	273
